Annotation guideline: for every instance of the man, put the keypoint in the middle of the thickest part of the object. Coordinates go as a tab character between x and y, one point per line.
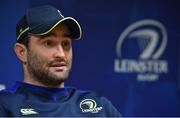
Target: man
44	46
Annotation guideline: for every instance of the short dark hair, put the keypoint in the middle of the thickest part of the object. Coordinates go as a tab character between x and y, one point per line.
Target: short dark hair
24	41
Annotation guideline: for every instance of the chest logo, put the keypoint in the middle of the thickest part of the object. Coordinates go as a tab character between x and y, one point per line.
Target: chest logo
89	105
26	111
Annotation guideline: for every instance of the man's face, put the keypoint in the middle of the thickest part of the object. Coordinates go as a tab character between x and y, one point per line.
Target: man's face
49	57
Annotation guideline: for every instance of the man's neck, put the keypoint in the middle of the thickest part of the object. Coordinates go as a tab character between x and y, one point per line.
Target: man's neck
33	82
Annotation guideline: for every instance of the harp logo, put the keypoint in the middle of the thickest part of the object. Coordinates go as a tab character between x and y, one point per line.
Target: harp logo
89	105
139	49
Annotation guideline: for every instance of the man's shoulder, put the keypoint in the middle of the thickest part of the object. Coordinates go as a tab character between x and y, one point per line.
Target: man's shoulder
6	94
6	97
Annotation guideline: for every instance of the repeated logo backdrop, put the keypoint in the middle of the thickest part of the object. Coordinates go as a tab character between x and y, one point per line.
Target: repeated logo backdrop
129	52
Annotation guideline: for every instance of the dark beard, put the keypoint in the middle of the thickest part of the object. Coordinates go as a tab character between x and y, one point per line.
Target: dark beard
42	74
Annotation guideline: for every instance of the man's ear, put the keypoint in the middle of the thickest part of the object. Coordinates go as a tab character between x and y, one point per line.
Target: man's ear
21	52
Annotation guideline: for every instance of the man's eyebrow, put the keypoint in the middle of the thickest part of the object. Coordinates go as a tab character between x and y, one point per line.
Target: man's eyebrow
53	34
69	35
48	34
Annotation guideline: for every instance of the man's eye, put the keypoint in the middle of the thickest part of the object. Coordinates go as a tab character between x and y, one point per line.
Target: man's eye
48	43
66	44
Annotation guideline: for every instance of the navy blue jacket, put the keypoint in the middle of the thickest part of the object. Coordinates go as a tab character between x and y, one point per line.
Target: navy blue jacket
29	100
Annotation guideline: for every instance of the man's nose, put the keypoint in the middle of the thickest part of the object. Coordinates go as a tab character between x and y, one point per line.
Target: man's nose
59	52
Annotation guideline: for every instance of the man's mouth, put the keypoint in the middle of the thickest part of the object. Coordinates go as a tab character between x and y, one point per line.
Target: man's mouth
59	66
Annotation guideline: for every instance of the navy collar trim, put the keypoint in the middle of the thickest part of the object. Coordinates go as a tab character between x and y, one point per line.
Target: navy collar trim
40	88
53	93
